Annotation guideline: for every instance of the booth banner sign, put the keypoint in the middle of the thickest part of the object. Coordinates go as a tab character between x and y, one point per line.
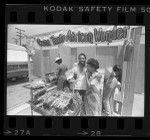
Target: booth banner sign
90	34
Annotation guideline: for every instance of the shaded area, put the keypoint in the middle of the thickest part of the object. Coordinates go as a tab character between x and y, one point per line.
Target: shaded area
11	82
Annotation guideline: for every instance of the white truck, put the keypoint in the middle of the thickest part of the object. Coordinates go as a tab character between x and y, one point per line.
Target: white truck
17	61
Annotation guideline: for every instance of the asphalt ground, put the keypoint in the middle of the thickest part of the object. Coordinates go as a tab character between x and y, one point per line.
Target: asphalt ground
17	92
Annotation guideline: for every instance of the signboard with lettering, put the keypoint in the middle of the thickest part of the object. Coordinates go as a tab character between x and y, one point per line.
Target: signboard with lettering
87	34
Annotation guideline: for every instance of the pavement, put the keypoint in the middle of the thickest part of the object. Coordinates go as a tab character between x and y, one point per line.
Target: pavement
23	110
17	95
18	92
138	105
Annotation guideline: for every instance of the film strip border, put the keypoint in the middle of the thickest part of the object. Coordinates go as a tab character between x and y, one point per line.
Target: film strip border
40	14
77	126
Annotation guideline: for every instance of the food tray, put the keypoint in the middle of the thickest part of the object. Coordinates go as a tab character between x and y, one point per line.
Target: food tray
46	113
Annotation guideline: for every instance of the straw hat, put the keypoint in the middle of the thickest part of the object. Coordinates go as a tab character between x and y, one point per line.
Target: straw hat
57	59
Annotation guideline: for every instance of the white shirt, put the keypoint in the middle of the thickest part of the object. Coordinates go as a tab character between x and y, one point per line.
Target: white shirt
80	83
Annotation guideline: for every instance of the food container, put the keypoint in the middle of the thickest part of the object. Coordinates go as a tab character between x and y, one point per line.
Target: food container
67	111
43	112
36	84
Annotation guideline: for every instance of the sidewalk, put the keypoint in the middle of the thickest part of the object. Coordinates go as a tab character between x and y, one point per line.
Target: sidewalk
22	110
18	93
138	105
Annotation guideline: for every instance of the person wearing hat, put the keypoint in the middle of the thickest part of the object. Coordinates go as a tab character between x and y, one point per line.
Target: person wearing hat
111	82
60	73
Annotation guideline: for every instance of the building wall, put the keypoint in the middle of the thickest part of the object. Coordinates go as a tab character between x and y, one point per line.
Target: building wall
37	63
107	56
65	54
46	61
140	76
53	54
120	56
90	52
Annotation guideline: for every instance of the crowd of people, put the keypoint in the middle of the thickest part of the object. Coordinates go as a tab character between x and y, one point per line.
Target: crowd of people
87	83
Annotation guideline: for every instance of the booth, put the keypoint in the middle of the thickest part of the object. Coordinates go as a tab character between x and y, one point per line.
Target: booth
122	45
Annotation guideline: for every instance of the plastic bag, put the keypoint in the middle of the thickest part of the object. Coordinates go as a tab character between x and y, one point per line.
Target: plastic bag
69	74
118	95
37	84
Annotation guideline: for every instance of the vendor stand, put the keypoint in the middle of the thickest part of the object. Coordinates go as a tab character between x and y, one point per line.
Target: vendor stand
49	101
47	42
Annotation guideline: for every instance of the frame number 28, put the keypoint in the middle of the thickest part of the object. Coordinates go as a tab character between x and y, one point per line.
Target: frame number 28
95	133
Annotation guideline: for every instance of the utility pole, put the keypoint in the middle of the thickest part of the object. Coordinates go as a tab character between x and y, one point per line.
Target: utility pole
15	40
20	34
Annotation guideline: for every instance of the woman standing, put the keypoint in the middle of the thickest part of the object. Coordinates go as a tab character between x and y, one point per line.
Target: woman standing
111	82
92	99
